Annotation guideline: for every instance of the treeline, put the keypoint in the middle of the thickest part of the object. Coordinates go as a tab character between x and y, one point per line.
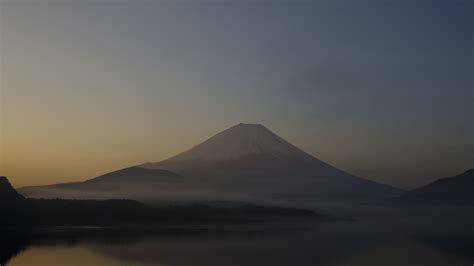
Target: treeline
113	212
15	210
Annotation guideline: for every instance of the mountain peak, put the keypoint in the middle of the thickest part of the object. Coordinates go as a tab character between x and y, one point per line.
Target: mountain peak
239	141
249	125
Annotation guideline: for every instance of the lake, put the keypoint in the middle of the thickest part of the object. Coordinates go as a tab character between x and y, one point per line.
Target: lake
328	244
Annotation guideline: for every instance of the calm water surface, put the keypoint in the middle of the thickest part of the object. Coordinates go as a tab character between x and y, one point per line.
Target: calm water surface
327	244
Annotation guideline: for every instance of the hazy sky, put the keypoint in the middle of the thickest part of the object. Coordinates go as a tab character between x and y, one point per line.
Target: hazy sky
382	89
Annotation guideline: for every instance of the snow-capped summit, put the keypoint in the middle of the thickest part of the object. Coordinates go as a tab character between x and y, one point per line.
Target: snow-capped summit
239	141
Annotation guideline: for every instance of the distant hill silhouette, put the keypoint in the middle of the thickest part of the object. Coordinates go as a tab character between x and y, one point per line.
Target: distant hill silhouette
7	192
457	190
13	206
246	162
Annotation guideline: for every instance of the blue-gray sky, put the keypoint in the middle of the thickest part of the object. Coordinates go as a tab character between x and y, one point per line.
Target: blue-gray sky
379	88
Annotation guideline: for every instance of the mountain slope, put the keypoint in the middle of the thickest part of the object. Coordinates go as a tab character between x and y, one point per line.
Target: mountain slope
243	146
242	140
135	174
13	206
457	189
7	192
246	162
132	183
251	160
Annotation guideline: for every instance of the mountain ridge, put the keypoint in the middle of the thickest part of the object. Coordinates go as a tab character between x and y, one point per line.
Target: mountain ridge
243	162
458	189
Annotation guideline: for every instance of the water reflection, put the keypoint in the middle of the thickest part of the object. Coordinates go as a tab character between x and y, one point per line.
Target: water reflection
332	244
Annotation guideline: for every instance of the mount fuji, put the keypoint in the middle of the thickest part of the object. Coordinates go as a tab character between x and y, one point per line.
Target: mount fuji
250	159
245	162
